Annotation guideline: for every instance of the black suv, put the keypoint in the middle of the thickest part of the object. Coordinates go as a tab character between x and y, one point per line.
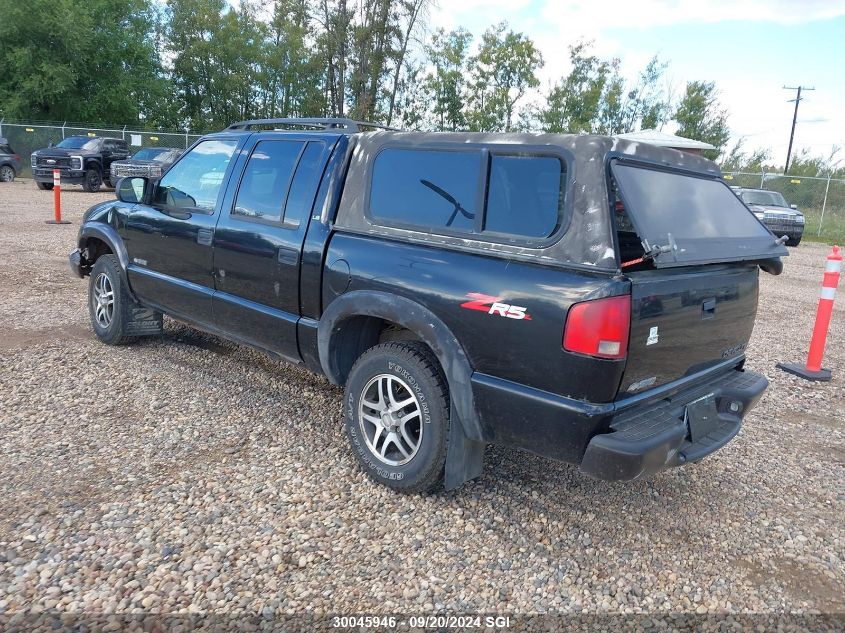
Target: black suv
84	160
582	297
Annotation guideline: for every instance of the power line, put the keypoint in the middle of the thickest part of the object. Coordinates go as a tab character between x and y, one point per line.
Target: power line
797	100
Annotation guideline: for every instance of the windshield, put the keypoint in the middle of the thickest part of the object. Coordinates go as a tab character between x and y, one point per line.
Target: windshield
78	142
767	198
691	219
151	153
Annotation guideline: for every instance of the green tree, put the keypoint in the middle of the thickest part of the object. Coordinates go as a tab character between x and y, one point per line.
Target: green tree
291	76
81	61
412	14
574	104
504	69
217	54
701	117
736	159
448	54
627	107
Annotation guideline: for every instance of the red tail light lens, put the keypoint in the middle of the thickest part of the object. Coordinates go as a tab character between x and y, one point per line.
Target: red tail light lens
599	328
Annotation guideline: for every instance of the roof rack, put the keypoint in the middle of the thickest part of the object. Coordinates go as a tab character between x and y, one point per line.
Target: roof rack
317	123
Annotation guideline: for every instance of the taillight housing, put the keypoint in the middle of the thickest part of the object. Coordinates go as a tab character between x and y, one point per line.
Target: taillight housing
599	327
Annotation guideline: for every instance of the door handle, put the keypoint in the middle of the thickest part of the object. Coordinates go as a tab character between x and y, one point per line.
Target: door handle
204	237
708	309
289	256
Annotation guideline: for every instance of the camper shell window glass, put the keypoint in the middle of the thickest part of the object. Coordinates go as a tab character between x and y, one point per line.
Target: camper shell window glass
520	194
691	218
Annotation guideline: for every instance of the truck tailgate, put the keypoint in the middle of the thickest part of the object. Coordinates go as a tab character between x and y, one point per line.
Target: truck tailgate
685	320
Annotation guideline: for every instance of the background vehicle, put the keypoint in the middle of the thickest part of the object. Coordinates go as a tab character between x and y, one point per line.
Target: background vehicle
460	286
148	162
10	162
83	160
780	217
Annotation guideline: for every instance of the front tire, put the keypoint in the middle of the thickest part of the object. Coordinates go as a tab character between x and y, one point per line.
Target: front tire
44	186
795	241
93	180
397	416
108	302
7	174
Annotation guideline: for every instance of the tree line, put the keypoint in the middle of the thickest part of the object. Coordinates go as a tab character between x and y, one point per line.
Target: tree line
203	64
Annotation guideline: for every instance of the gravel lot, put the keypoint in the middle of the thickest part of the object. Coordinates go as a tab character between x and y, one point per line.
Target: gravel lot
186	474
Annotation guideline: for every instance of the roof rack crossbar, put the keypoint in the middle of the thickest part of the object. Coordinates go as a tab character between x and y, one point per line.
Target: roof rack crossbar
320	123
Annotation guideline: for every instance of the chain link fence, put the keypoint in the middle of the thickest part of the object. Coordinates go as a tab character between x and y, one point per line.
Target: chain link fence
25	138
820	198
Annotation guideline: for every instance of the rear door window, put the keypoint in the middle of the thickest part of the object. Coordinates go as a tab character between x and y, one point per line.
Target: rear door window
266	179
691	219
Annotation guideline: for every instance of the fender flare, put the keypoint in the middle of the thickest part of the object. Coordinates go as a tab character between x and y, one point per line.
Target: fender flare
93	162
419	320
107	234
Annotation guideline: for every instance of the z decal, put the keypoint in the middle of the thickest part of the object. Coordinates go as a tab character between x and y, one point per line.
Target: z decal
493	305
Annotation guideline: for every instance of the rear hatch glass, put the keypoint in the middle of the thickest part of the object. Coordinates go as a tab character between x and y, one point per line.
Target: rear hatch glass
690	218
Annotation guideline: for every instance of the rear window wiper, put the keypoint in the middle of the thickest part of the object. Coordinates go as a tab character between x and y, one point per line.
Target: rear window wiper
451	199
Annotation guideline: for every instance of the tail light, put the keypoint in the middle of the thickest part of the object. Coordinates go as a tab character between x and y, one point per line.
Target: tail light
599	327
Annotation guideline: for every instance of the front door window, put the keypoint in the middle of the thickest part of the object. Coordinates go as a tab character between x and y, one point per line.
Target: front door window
195	181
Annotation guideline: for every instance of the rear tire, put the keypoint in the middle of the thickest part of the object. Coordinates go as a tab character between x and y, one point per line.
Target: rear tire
93	180
7	174
397	416
108	302
44	186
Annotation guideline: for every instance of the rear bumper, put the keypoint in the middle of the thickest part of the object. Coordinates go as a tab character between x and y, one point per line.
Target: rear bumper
651	438
622	440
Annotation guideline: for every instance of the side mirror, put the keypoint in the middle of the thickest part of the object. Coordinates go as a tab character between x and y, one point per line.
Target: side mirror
131	190
793	206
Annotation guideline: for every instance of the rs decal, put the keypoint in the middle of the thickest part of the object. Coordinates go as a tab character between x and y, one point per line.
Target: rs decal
493	305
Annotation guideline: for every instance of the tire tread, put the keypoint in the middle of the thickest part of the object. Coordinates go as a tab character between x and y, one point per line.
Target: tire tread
432	478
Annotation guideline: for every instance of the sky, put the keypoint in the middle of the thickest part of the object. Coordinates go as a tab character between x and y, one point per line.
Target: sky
750	48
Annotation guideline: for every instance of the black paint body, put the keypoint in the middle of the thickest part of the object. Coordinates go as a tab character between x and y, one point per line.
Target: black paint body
316	288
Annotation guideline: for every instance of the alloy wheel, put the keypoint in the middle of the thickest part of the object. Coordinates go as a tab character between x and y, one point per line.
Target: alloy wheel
390	418
102	300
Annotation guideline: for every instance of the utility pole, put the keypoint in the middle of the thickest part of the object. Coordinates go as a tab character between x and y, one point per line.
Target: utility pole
797	100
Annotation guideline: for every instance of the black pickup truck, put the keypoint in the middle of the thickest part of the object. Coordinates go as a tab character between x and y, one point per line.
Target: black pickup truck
83	160
582	297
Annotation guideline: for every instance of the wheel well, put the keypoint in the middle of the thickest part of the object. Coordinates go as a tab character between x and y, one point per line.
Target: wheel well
94	249
357	334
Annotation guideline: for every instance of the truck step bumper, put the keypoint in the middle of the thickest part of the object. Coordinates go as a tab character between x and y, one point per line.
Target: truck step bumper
685	428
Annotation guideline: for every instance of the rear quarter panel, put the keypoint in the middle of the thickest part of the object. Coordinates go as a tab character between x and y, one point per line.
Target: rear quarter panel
461	287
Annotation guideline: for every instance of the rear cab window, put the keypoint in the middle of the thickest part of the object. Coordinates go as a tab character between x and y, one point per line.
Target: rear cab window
493	194
682	218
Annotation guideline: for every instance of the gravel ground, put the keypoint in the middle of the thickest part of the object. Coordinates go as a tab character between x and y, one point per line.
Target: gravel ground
187	474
